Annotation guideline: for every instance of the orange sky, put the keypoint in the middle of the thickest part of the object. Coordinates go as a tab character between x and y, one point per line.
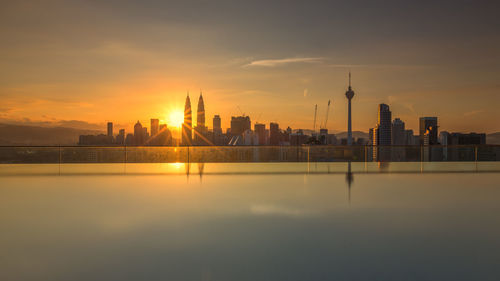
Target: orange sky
95	62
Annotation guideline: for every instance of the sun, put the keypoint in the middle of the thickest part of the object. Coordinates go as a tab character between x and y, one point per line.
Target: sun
176	118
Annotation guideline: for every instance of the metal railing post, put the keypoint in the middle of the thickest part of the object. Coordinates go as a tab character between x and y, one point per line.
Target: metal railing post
475	153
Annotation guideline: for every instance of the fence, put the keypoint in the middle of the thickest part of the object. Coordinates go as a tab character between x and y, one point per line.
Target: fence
221	154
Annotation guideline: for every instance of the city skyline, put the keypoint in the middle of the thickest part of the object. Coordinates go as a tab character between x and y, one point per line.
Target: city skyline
139	60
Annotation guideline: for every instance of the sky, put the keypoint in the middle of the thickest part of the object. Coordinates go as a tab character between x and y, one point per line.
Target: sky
84	63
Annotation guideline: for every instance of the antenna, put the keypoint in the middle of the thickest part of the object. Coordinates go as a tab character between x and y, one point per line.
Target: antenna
349	79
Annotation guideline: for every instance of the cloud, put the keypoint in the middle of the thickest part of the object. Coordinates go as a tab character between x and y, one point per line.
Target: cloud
280	62
474	112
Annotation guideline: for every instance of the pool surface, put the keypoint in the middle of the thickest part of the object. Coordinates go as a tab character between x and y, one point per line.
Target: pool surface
250	222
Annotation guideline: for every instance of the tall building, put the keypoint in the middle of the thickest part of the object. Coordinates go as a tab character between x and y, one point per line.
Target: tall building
200	131
349	95
217	124
120	138
398	132
187	133
274	134
218	137
240	124
260	131
138	134
110	129
383	134
200	117
155	126
429	127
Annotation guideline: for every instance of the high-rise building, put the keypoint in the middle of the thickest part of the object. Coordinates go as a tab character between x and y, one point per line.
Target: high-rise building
155	123
200	117
120	138
200	131
383	135
217	137
398	132
349	95
274	134
217	124
138	134
187	133
110	129
410	138
260	131
240	124
429	127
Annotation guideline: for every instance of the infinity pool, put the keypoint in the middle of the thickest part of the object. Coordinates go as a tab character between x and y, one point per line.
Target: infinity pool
250	222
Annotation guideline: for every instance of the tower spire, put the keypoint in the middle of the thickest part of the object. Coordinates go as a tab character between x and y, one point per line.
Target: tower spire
349	79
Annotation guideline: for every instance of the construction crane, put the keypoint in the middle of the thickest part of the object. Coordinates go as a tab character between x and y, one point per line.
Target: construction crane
326	118
315	112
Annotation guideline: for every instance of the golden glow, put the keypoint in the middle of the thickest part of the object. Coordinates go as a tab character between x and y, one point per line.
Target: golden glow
176	118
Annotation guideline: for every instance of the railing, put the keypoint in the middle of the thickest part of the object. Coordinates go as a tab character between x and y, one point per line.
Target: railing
218	154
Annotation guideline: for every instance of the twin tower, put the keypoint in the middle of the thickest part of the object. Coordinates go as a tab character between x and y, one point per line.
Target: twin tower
200	130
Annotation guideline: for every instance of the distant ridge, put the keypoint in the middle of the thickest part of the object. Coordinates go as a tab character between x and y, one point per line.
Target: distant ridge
355	134
493	138
36	135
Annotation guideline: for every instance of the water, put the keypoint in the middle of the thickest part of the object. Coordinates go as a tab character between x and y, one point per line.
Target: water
243	223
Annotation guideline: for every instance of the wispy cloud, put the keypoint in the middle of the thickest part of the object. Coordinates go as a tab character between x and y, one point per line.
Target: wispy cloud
280	62
474	112
384	66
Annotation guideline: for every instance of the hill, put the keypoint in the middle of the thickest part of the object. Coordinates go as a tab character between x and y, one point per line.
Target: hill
37	135
493	138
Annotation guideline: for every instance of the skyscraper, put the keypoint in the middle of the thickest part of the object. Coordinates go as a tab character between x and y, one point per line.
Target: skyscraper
384	126
429	126
274	134
349	95
200	131
398	132
138	134
260	131
155	125
240	124
200	117
217	124
187	134
110	129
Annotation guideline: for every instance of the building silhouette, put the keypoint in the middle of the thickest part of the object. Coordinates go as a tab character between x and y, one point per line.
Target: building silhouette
398	132
217	124
382	134
218	138
200	136
428	130
349	95
110	129
155	126
260	131
383	131
187	133
120	138
274	134
138	134
240	124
